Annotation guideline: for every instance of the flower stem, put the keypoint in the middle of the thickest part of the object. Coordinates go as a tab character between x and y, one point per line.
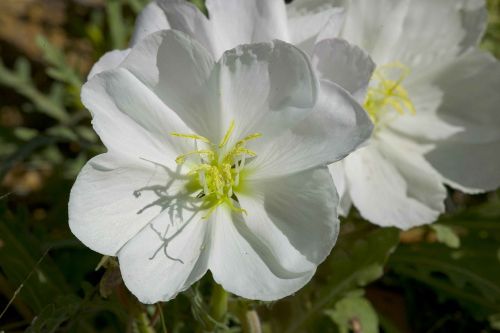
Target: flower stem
249	319
218	303
143	324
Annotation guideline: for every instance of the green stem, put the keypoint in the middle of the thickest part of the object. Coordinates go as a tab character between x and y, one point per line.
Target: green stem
143	323
218	303
249	319
162	318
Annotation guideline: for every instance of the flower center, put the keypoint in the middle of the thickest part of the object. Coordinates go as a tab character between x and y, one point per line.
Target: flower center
216	169
386	96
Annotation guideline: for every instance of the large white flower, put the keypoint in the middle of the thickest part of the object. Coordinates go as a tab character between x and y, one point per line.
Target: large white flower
218	166
435	102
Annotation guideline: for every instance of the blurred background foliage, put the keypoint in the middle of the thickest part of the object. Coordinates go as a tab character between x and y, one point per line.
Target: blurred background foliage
442	278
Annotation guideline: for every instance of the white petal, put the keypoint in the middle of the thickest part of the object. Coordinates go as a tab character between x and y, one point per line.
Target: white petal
425	124
151	19
469	159
337	170
313	21
470	100
424	183
108	61
273	251
159	261
336	127
302	207
374	25
247	21
179	15
113	199
415	33
244	267
130	119
177	68
469	167
265	88
390	189
344	64
184	16
475	20
431	30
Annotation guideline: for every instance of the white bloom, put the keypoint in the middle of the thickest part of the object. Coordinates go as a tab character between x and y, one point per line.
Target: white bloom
218	166
435	102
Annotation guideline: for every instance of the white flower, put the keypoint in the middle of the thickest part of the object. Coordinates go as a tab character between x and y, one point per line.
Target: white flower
435	102
213	166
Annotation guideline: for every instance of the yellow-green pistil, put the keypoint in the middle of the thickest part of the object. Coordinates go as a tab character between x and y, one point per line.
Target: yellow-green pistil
216	169
386	94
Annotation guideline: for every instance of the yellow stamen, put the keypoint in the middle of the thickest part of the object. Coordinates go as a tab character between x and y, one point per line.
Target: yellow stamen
182	158
190	136
218	174
388	94
228	134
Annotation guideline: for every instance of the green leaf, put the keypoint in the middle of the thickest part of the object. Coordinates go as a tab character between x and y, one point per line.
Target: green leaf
18	259
60	69
446	235
356	260
63	132
495	321
24	151
355	313
20	81
50	319
117	26
201	5
25	133
468	275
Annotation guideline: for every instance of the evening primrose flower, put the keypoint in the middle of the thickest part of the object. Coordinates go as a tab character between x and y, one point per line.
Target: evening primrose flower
218	166
435	104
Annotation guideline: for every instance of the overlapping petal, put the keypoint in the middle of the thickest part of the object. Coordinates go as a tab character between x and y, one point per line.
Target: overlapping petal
337	61
418	34
249	21
231	23
130	119
336	126
337	170
114	197
392	185
284	88
312	21
108	61
177	72
469	159
272	251
160	261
